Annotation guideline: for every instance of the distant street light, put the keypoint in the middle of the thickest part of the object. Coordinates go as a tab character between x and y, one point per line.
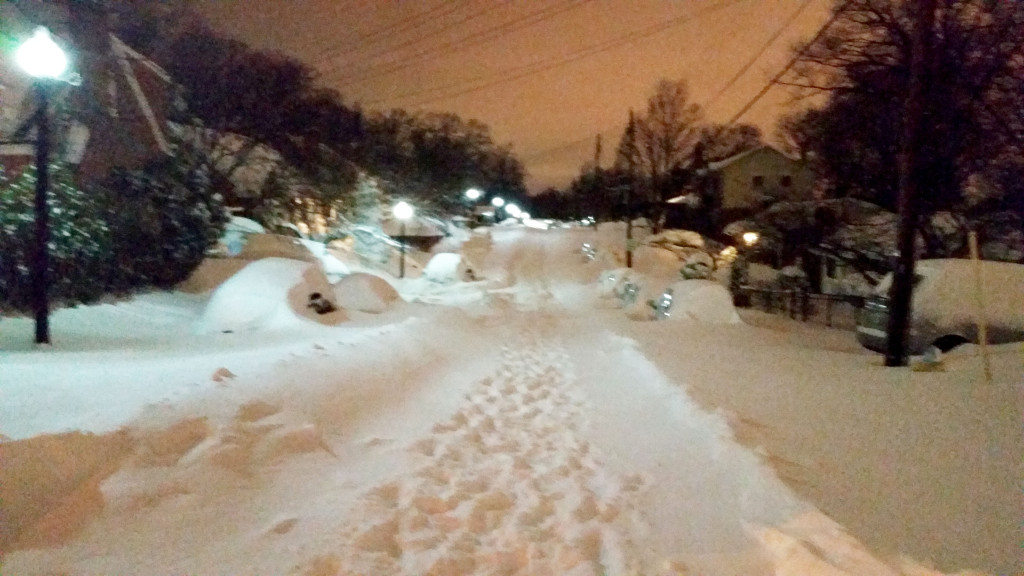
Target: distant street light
403	211
751	238
474	194
513	211
497	202
44	60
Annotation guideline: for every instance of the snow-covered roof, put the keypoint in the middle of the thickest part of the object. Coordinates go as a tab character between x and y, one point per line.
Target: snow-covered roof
126	57
720	164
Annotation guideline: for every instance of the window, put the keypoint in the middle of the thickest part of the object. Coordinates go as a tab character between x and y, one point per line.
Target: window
786	181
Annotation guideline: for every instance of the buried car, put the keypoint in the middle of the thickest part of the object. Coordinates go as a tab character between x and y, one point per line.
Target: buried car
705	301
945	309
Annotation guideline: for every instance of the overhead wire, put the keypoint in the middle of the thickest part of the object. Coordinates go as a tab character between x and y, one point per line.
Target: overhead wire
789	65
371	69
375	36
466	42
545	65
743	69
556	149
732	80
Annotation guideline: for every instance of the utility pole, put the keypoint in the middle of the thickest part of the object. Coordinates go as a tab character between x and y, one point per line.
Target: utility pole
923	18
631	175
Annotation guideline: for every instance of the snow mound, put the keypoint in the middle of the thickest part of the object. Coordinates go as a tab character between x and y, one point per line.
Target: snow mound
702	300
947	292
447	268
814	545
270	293
476	248
333	267
365	293
210	273
610	282
656	260
258	246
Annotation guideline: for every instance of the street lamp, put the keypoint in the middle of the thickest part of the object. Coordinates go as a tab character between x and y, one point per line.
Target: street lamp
44	60
497	202
474	194
513	210
751	238
402	211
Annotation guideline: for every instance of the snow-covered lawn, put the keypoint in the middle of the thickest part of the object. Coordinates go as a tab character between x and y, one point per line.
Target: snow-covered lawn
518	424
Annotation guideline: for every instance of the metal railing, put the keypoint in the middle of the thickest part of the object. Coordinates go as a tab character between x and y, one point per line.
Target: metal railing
834	310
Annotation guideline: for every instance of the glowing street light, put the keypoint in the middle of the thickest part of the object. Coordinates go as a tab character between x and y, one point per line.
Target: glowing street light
751	238
43	59
513	210
402	211
497	202
474	194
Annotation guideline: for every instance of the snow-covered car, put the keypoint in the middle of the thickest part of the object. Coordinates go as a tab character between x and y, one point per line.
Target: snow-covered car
705	301
944	311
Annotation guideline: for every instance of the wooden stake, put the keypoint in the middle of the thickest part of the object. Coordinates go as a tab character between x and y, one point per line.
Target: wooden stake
979	300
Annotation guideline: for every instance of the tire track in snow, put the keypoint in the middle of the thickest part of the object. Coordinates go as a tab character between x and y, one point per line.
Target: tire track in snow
507	486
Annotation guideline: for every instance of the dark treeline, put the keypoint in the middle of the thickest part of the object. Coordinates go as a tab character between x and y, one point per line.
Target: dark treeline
276	101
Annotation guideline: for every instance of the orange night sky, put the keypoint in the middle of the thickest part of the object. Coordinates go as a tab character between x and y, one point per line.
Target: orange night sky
546	75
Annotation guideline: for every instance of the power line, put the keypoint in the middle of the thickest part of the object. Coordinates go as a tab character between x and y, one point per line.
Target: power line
411	22
792	62
395	49
543	66
743	70
559	148
469	41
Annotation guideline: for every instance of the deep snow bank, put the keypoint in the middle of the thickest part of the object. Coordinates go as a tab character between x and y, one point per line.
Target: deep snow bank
267	294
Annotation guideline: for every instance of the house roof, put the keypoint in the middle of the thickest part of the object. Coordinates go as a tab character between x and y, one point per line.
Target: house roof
720	164
129	62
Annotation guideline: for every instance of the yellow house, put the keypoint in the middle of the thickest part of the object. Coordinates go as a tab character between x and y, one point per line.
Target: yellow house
759	176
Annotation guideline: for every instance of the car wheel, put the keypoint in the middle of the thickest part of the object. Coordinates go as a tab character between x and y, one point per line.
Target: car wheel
948	342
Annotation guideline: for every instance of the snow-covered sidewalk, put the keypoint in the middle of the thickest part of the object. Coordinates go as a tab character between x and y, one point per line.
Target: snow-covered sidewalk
517	428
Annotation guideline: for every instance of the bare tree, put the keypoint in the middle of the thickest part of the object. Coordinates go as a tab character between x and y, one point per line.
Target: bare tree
668	132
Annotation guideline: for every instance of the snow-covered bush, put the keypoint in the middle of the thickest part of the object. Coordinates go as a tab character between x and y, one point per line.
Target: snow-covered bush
792	277
163	219
697	266
79	249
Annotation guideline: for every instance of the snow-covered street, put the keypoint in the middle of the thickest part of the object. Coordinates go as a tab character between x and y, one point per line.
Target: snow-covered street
515	425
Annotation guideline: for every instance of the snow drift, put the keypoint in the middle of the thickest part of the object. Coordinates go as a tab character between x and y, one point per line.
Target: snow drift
270	293
365	293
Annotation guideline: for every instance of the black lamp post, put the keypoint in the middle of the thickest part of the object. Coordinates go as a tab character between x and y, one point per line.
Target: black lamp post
403	211
40	254
44	60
